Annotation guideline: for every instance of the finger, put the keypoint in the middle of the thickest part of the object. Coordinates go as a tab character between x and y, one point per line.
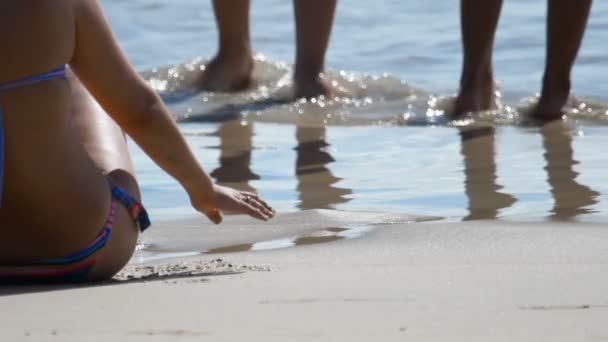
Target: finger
255	203
259	204
252	197
214	215
264	207
250	210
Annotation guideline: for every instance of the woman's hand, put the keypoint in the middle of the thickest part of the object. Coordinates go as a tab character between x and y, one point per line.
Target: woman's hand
227	199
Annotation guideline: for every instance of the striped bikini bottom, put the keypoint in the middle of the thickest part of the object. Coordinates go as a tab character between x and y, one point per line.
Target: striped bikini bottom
77	266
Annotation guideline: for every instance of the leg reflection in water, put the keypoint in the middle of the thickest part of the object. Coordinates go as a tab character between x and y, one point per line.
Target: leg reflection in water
570	198
485	201
235	155
315	180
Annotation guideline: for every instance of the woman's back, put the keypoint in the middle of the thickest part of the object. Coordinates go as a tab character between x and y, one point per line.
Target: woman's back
36	35
50	183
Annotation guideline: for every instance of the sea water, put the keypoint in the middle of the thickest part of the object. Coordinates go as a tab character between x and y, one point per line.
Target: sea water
388	146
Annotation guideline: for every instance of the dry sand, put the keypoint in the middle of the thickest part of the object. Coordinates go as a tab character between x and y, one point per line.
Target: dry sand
402	280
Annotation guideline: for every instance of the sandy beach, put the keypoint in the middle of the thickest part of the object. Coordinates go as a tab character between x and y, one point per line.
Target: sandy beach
394	223
404	280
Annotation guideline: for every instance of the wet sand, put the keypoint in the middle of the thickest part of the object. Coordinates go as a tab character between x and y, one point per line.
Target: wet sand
403	280
350	275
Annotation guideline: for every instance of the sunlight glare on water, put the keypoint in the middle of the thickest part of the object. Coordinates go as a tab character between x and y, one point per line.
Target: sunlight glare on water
387	145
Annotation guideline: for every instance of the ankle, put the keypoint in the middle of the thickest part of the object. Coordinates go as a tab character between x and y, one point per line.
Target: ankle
478	79
555	86
234	55
307	72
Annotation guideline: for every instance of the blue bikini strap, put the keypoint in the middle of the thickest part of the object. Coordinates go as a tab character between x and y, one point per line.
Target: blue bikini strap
55	73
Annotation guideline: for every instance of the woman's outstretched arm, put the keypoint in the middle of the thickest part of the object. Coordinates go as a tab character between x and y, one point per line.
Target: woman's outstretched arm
103	68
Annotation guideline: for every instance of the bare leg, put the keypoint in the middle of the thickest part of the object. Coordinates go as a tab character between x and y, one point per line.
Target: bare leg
479	19
314	20
565	28
231	68
106	144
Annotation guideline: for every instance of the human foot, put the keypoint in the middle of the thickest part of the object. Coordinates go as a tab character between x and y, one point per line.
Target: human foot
551	103
311	87
223	74
475	97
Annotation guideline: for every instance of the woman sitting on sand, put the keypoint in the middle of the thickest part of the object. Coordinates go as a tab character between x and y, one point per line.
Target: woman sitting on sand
70	207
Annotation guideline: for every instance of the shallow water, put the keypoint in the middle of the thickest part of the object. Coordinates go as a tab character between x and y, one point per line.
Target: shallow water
518	173
387	147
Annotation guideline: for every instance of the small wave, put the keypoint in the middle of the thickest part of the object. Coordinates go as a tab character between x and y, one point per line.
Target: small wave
372	100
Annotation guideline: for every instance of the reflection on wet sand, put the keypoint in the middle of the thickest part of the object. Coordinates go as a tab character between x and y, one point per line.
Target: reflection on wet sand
323	235
307	240
235	155
485	201
478	150
316	184
315	181
570	197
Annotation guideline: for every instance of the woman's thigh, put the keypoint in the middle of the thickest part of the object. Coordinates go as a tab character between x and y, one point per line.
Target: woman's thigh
119	248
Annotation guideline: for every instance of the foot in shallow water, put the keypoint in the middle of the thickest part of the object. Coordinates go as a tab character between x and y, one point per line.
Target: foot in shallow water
474	98
311	87
550	105
224	74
